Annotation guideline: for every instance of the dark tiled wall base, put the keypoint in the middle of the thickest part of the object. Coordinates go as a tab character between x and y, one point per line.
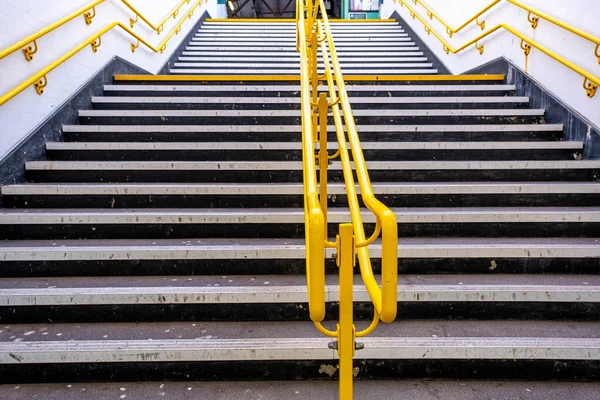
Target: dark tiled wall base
33	146
577	127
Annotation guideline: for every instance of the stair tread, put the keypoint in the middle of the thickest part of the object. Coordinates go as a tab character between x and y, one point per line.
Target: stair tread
293	88
296	113
312	389
296	100
298	128
297	188
286	289
81	146
244	249
297	165
291	215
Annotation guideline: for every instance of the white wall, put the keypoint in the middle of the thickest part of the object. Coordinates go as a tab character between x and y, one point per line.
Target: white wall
560	80
20	18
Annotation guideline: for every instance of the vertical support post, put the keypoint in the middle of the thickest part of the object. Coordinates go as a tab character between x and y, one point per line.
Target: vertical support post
346	330
323	155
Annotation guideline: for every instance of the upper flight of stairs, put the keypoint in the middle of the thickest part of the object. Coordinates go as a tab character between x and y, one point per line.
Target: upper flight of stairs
368	48
163	239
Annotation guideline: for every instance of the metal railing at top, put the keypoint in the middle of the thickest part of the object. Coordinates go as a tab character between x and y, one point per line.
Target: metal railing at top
591	81
40	80
351	240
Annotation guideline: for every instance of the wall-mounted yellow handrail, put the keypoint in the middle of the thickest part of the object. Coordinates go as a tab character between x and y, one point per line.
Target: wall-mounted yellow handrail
89	12
590	83
158	28
33	37
533	17
39	80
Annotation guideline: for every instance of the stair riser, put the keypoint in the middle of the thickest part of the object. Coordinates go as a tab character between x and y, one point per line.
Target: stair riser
295	201
545	370
295	93
296	136
296	106
281	120
287	230
231	176
423	266
293	312
296	155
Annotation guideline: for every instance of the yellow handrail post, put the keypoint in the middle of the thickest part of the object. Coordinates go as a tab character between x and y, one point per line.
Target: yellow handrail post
323	155
346	346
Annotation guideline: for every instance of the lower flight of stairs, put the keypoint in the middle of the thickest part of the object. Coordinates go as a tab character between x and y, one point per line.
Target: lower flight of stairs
163	239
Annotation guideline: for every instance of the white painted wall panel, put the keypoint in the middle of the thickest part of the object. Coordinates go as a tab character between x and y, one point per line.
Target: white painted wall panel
558	79
20	18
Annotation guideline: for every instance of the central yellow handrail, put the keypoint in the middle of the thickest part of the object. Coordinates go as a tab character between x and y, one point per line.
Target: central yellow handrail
39	80
313	213
384	298
351	239
590	83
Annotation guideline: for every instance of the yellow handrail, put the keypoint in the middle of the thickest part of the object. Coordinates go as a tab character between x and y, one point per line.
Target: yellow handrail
88	15
533	17
313	214
351	239
385	298
40	81
590	83
158	28
33	37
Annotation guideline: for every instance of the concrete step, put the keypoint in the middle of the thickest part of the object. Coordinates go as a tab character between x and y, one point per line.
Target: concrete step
358	103
284	298
284	289
291	133
292	151
296	59
362	117
574	345
238	64
225	195
290	53
339	40
240	70
290	249
292	91
275	390
291	171
279	36
291	42
291	47
289	222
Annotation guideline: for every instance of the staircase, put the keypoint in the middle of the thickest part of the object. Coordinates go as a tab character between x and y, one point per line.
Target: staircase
366	48
163	239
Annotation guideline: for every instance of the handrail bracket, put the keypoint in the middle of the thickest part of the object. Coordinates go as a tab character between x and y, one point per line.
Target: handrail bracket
526	47
89	16
28	52
40	85
132	21
533	19
481	24
590	88
96	43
